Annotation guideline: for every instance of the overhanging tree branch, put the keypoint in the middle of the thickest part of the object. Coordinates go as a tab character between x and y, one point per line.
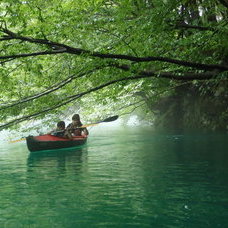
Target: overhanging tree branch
224	3
187	76
11	57
77	51
201	28
49	90
67	100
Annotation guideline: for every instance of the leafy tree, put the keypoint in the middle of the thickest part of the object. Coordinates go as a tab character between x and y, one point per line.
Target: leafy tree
117	54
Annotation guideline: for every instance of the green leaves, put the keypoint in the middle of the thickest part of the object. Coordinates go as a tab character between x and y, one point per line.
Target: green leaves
166	29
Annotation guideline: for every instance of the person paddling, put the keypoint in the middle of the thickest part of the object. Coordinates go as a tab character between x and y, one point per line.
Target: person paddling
75	127
60	131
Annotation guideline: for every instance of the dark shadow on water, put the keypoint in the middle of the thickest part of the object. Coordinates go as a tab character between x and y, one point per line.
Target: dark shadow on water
59	161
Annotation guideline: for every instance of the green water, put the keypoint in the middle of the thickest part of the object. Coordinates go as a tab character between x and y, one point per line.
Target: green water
127	178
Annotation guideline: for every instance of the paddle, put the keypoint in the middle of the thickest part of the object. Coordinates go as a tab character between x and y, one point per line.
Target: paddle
109	119
17	140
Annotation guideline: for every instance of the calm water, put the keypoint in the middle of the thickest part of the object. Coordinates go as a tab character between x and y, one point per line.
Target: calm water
122	178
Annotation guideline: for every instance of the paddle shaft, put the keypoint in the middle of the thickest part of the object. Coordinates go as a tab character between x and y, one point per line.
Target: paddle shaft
17	140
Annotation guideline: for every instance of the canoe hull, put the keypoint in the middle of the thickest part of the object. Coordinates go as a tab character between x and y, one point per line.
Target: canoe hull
49	142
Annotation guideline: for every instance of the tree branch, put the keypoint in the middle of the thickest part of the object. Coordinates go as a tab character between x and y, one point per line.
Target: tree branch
188	76
7	60
32	54
132	104
6	38
49	90
67	100
224	3
77	51
201	28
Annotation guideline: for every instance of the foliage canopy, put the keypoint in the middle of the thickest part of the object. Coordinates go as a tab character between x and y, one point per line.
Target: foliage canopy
56	54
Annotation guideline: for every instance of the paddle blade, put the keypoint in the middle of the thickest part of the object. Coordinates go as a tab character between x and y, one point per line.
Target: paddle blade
109	119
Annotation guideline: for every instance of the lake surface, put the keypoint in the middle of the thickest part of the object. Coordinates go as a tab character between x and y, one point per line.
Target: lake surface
121	178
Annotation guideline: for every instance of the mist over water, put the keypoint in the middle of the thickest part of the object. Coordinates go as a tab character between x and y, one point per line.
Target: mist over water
123	177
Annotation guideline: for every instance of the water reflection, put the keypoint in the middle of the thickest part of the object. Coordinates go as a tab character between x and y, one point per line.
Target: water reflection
139	180
57	161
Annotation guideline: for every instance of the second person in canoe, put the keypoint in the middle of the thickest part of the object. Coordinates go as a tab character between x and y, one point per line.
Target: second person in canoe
75	127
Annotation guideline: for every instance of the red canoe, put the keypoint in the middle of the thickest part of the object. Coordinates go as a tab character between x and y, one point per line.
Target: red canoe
50	142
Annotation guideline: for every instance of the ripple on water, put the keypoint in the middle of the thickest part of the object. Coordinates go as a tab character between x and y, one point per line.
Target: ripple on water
135	180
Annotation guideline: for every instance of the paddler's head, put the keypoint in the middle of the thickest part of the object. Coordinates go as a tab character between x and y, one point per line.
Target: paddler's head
61	125
76	119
